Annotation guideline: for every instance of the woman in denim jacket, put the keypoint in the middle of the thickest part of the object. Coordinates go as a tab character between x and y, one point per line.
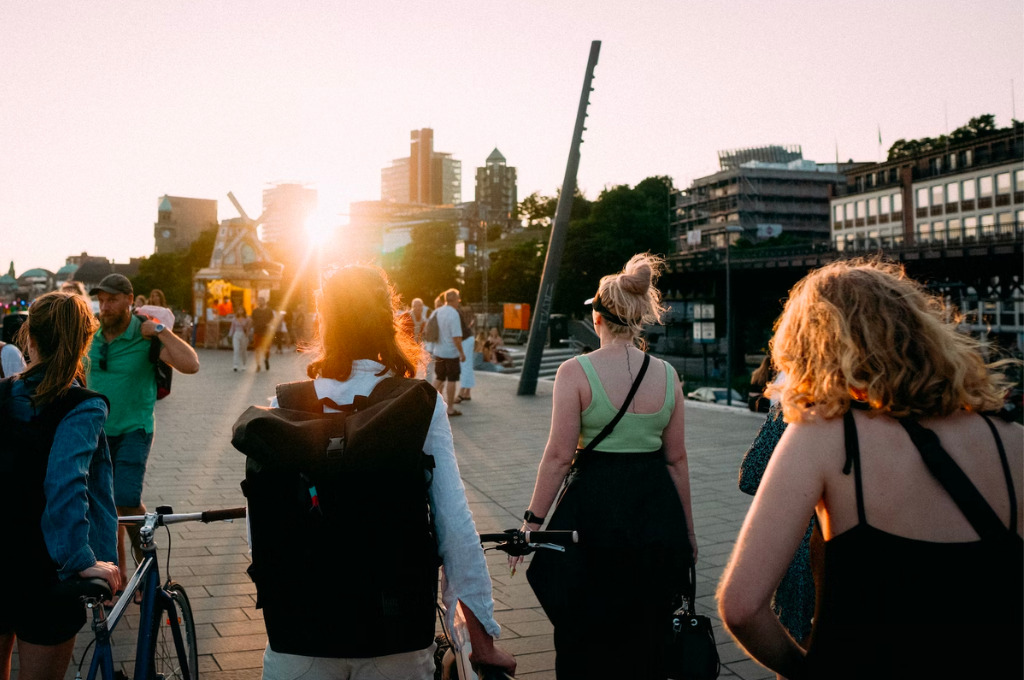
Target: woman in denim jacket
57	501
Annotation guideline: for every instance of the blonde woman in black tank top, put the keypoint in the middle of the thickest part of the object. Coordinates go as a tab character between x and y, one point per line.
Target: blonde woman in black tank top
870	356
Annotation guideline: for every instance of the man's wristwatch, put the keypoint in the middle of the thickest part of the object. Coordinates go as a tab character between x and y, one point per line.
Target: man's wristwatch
531	518
160	328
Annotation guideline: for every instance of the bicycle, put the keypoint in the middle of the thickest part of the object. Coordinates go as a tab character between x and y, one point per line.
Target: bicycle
453	663
166	643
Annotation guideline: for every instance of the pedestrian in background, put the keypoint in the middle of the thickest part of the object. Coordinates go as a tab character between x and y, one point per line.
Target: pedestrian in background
447	351
240	330
57	501
628	496
263	333
75	288
12	359
467	379
914	487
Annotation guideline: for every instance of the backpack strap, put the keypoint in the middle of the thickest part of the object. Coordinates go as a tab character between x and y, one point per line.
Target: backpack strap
299	396
966	496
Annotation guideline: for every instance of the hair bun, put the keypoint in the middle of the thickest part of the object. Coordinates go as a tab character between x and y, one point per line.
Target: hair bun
636	279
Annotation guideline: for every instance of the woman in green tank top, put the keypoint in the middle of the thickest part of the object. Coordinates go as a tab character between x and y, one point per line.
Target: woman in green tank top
629	498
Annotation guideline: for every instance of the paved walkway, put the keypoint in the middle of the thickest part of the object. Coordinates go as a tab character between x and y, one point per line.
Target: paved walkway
499	441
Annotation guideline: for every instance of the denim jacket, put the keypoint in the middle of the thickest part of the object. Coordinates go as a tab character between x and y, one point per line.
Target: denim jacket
79	522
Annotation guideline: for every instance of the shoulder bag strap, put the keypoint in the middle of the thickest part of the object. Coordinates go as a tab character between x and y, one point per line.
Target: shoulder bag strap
625	405
967	497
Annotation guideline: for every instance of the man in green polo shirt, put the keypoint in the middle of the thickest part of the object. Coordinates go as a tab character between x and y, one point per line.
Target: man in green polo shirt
120	369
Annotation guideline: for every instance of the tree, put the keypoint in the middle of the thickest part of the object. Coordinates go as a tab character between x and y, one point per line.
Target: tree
514	274
623	221
976	127
172	272
428	262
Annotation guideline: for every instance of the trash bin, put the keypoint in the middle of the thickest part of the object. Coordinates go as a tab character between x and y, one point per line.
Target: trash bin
558	330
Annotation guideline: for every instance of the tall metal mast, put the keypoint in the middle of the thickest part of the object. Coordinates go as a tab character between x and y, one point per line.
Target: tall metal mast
556	244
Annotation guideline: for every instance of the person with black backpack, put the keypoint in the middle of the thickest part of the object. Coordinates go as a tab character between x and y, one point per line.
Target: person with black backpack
56	499
355	498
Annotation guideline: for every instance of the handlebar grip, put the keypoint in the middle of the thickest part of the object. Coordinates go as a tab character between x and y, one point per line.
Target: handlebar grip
221	515
558	537
495	538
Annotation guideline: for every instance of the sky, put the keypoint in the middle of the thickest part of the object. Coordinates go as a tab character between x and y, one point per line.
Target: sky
106	106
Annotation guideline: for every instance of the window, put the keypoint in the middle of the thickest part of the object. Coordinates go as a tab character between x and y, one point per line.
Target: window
922	197
968	186
860	209
970	227
939	231
924	233
988	225
953	192
872	207
1003	183
952	161
848	211
985	186
883	205
953	231
1018	180
837	216
897	203
1005	220
937	195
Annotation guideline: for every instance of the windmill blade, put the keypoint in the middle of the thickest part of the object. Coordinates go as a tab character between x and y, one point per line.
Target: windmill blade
238	207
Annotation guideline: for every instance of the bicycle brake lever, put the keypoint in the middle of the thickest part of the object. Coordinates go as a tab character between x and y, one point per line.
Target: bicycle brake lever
549	546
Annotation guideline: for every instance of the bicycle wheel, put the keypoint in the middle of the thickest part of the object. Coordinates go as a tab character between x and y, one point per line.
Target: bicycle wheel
166	663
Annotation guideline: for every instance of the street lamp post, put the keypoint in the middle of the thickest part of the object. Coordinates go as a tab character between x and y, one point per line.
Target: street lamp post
731	229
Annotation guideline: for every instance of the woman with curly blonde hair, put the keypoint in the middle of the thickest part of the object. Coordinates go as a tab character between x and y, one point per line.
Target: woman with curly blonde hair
917	490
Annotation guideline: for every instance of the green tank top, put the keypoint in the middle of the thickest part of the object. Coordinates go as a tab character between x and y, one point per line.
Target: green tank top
636	431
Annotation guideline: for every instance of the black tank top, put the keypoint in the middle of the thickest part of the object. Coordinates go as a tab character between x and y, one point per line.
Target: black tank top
896	607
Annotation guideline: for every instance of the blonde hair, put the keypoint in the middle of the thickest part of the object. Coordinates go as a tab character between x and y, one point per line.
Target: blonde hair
632	295
861	329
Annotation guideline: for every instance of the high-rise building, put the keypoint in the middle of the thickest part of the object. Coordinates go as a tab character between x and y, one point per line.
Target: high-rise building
179	221
286	207
426	176
496	197
759	192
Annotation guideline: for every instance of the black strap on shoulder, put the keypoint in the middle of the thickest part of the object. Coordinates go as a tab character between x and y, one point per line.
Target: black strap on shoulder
155	346
299	396
1006	472
625	405
966	496
853	461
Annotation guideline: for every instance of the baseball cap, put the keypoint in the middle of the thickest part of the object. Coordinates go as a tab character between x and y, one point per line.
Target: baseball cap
113	283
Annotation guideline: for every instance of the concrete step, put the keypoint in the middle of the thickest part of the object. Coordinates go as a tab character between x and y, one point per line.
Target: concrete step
550	360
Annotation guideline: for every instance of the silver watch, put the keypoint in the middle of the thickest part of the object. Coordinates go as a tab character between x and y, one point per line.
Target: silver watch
160	328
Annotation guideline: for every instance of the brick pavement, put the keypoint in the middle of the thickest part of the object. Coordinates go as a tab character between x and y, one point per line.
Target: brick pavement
498	440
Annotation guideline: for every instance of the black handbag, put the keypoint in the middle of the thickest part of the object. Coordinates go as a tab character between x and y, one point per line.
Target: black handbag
690	650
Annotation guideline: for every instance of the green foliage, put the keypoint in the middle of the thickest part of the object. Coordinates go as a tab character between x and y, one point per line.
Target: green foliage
976	127
514	274
623	221
172	272
427	264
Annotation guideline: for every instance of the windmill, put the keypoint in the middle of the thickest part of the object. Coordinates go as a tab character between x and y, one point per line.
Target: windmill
238	244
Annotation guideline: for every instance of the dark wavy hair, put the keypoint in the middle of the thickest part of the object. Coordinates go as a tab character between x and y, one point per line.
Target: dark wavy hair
357	313
62	326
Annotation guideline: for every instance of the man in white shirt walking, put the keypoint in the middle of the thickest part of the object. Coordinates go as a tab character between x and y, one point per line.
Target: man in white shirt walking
448	349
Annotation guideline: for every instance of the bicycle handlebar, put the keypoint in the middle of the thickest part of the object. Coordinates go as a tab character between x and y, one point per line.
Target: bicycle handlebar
165	516
518	543
558	537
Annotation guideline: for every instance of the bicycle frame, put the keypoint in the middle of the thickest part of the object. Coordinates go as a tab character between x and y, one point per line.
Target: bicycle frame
155	604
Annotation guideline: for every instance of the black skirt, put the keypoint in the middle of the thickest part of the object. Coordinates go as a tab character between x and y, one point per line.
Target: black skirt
620	583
